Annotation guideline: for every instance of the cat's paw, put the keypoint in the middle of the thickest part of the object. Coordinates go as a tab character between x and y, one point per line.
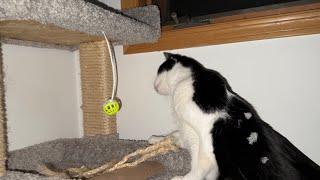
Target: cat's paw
177	178
178	139
154	139
179	142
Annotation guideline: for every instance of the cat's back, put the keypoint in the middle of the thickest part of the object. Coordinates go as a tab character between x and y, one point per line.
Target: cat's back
246	147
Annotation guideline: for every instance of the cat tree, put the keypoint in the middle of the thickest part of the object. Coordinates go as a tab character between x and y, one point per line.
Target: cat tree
70	25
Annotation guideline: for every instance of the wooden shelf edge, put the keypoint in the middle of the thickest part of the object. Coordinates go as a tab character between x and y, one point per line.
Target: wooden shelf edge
303	22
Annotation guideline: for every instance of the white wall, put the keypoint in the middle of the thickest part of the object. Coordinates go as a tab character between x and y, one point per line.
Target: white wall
112	3
280	77
41	95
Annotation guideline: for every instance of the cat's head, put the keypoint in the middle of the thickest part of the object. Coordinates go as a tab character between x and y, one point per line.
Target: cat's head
172	71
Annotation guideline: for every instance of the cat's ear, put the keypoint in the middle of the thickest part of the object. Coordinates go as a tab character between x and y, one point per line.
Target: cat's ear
167	55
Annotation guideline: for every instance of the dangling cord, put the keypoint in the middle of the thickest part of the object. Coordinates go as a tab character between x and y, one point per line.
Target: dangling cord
114	66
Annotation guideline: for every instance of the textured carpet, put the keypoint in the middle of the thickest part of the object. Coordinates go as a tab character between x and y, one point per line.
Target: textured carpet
89	151
139	25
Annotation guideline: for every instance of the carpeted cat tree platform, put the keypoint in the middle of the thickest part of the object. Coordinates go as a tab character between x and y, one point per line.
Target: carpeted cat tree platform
77	24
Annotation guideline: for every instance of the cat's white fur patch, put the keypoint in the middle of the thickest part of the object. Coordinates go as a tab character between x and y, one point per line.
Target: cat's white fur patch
252	138
248	115
175	135
194	125
166	81
264	160
161	85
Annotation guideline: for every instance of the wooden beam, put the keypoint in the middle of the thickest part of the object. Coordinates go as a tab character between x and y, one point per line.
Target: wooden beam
127	4
34	31
291	21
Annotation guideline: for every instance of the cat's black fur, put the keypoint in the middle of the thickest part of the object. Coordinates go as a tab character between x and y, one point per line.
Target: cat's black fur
236	158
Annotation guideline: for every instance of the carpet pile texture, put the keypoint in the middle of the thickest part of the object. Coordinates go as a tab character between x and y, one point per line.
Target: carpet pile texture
134	26
88	151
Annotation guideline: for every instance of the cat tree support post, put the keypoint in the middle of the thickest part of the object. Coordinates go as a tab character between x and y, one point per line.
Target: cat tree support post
96	80
3	143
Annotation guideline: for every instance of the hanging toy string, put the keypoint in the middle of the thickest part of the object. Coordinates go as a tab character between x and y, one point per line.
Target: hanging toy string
114	66
113	105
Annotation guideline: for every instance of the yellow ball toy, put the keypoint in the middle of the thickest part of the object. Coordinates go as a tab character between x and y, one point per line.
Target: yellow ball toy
112	107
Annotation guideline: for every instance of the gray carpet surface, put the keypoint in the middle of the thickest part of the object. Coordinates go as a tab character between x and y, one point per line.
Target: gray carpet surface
88	151
139	25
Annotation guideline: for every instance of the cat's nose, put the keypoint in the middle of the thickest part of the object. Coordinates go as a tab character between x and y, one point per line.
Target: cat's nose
156	82
156	86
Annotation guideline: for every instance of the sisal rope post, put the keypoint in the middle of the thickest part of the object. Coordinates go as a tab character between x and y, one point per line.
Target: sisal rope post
3	133
96	82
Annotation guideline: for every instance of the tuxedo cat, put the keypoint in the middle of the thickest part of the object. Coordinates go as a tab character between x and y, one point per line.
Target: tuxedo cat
224	134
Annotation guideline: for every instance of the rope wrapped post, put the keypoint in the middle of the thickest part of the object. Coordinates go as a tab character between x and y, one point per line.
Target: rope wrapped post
96	82
3	134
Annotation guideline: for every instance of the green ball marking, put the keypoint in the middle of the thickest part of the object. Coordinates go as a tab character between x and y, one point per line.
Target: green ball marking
111	108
